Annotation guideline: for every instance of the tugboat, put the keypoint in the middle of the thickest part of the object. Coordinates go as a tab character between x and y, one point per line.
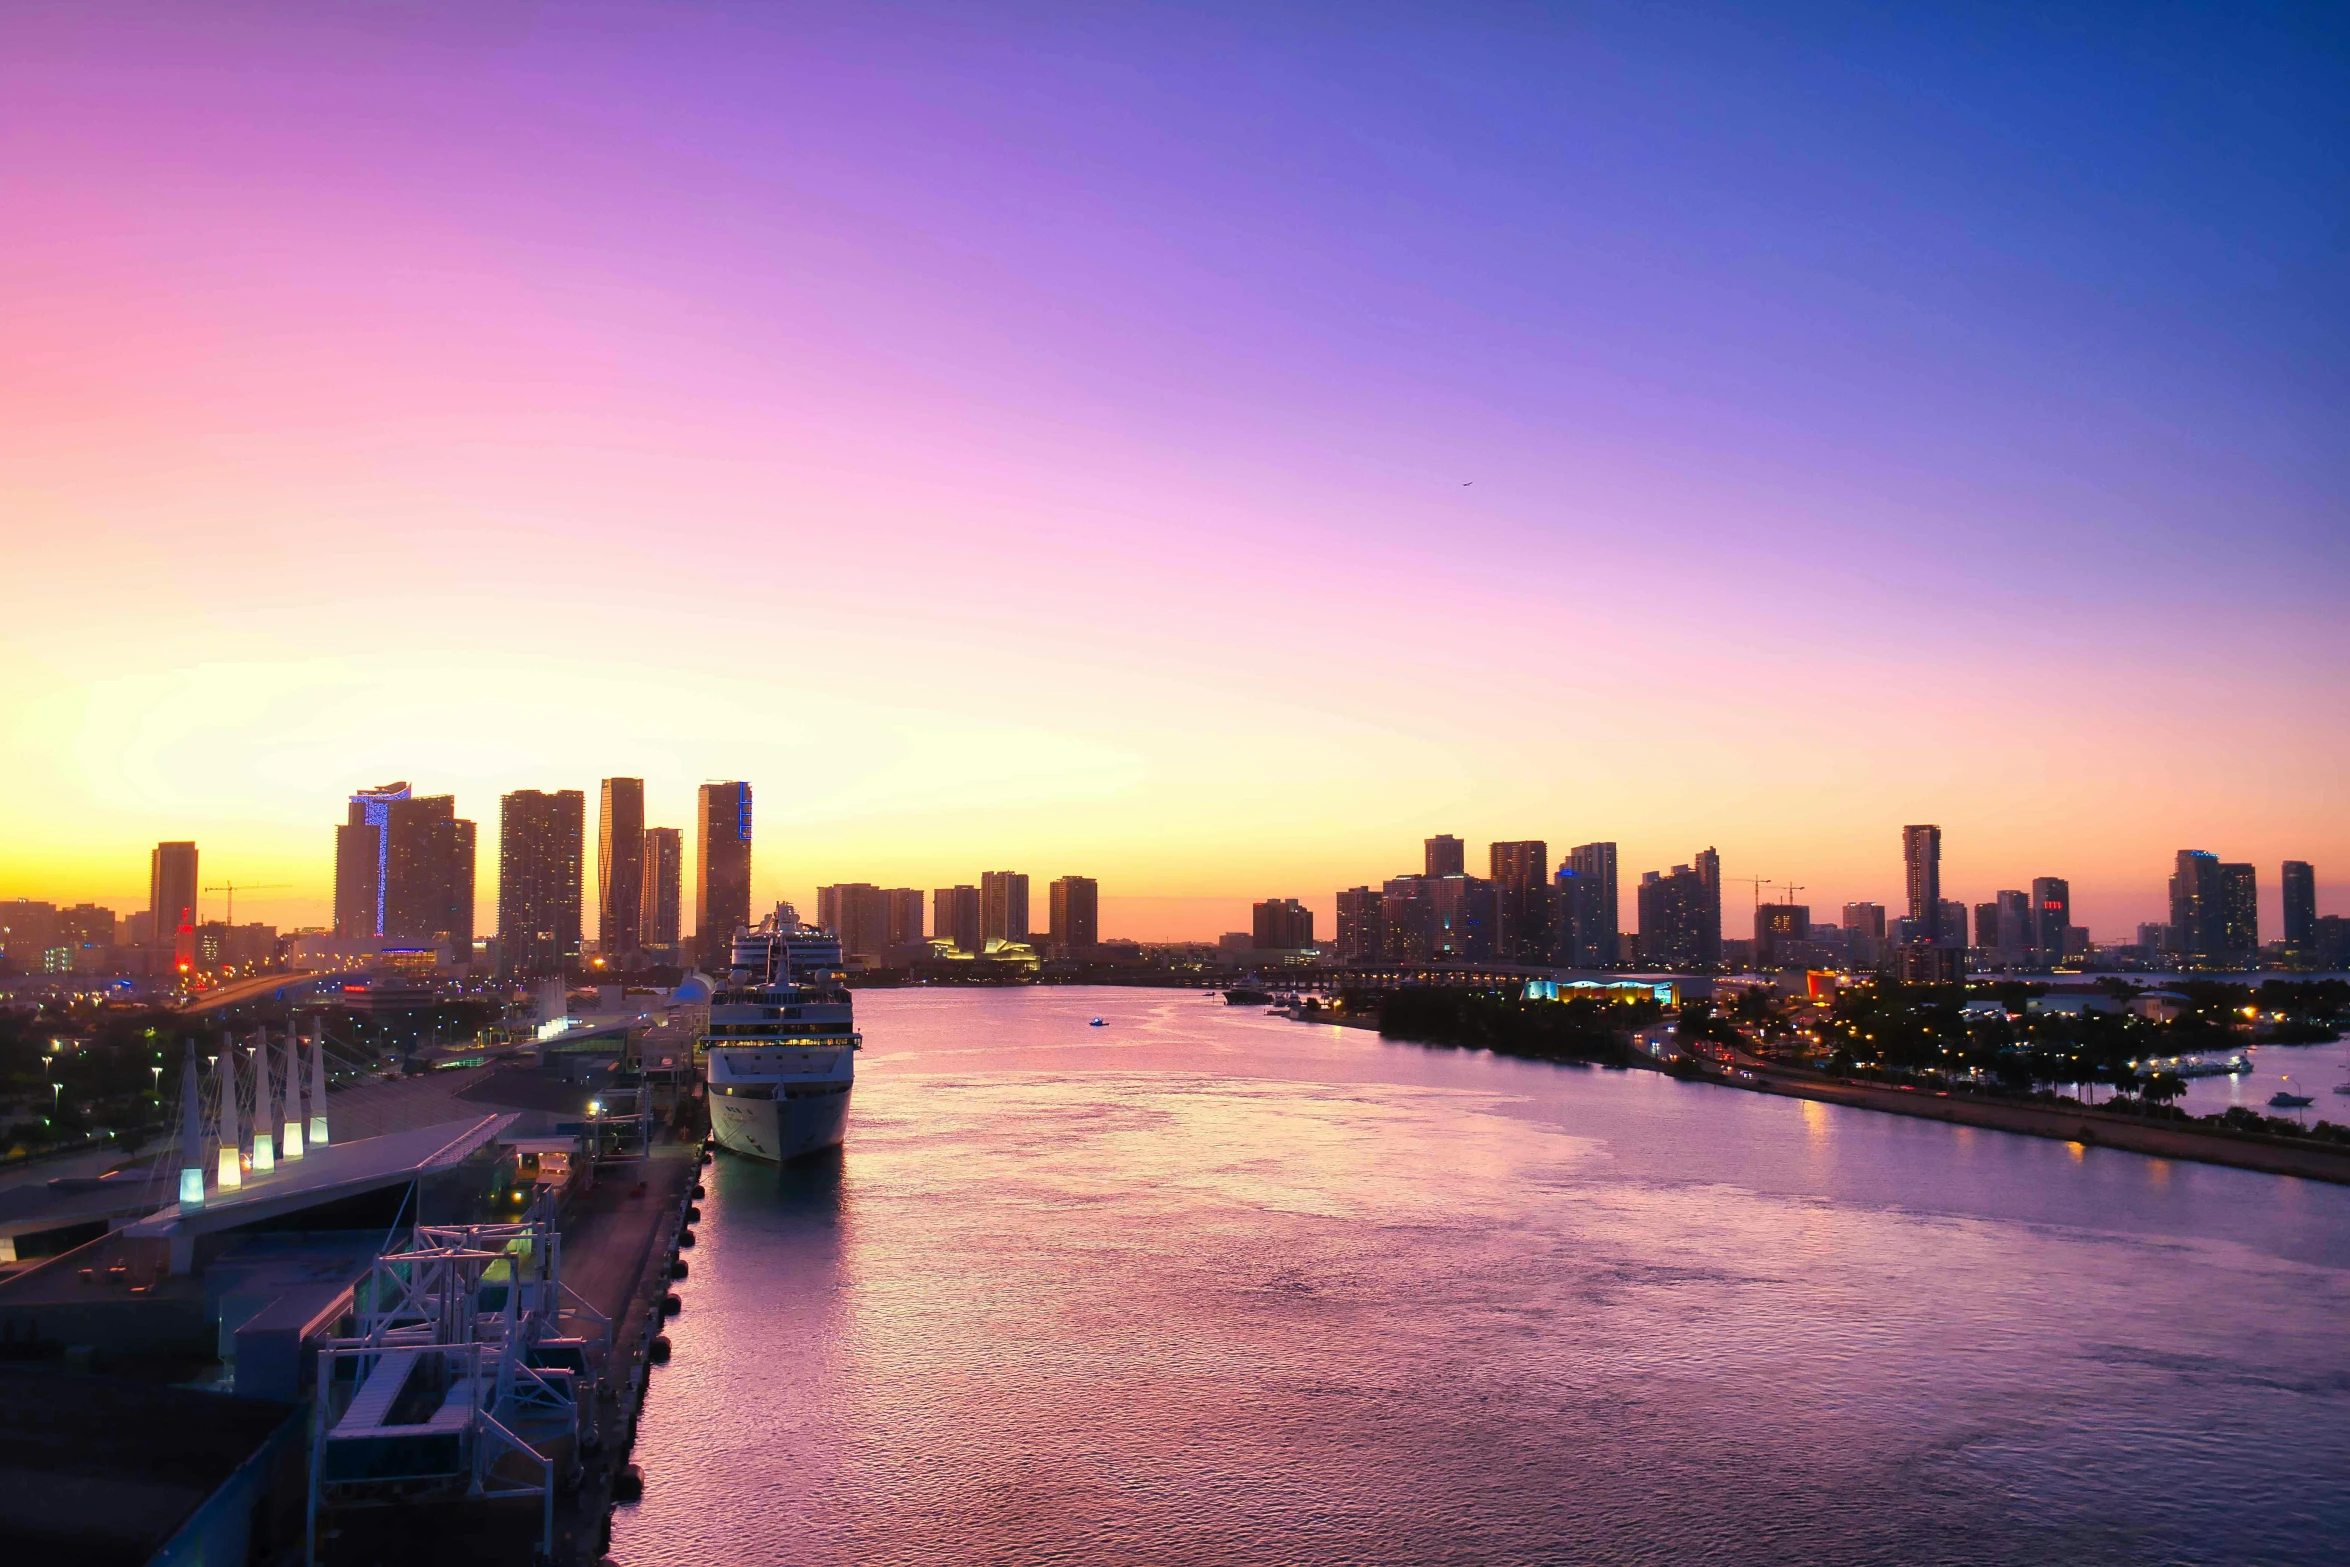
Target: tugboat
780	1050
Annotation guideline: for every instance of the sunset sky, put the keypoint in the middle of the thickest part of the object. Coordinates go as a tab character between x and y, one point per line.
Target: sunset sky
1210	448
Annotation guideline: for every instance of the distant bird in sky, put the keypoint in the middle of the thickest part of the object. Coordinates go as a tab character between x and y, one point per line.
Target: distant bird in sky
1465	483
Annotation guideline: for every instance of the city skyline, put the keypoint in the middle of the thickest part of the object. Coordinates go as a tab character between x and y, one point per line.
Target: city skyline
1789	476
2240	897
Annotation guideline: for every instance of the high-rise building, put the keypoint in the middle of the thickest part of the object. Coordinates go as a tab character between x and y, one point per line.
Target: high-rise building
2154	939
359	887
1362	925
1408	910
1950	924
662	899
2239	929
542	849
1464	913
1594	864
28	932
1681	914
1003	906
722	869
369	808
1446	856
429	873
1583	918
85	925
1282	925
954	916
2018	928
905	915
620	866
171	899
1987	925
2300	884
1921	859
1864	933
858	913
1777	929
2197	917
2052	916
1523	863
1525	903
1075	913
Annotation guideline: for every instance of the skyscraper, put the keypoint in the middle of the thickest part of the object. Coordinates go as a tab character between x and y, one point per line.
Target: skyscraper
1585	934
2052	916
429	874
1464	913
858	913
954	916
542	849
2239	914
171	899
2020	927
1446	856
1778	927
722	869
1075	914
664	881
620	866
2197	918
1003	906
1921	858
1525	904
2300	885
369	808
1282	925
1681	914
1362	925
1408	910
905	915
1595	864
359	888
1864	932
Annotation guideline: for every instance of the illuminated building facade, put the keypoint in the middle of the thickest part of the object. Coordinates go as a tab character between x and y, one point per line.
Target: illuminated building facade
722	869
1075	916
542	848
620	866
661	898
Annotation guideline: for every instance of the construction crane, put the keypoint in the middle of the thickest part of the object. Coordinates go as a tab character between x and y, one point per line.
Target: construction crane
232	888
1759	882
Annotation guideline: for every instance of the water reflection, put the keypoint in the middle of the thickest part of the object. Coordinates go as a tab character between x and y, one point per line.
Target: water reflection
1203	1287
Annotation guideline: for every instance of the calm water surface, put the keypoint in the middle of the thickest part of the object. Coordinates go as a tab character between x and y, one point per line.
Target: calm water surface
1205	1286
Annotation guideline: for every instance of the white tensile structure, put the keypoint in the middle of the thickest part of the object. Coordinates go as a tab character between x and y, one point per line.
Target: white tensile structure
191	1134
293	1088
224	1078
264	1110
318	1089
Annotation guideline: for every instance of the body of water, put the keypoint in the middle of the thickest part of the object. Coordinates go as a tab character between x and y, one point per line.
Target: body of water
1203	1286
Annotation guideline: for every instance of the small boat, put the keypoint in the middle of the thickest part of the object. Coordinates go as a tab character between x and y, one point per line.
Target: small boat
2283	1099
1096	1023
2342	1088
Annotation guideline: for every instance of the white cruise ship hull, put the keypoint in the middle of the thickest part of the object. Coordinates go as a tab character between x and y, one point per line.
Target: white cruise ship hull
790	1126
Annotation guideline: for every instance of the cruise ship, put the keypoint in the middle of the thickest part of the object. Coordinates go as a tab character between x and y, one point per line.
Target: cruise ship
780	1049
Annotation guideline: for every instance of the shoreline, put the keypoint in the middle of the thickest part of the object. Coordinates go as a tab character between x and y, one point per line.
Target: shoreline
2086	1126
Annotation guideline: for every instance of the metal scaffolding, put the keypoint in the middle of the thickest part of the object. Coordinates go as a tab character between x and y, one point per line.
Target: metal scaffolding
458	1378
